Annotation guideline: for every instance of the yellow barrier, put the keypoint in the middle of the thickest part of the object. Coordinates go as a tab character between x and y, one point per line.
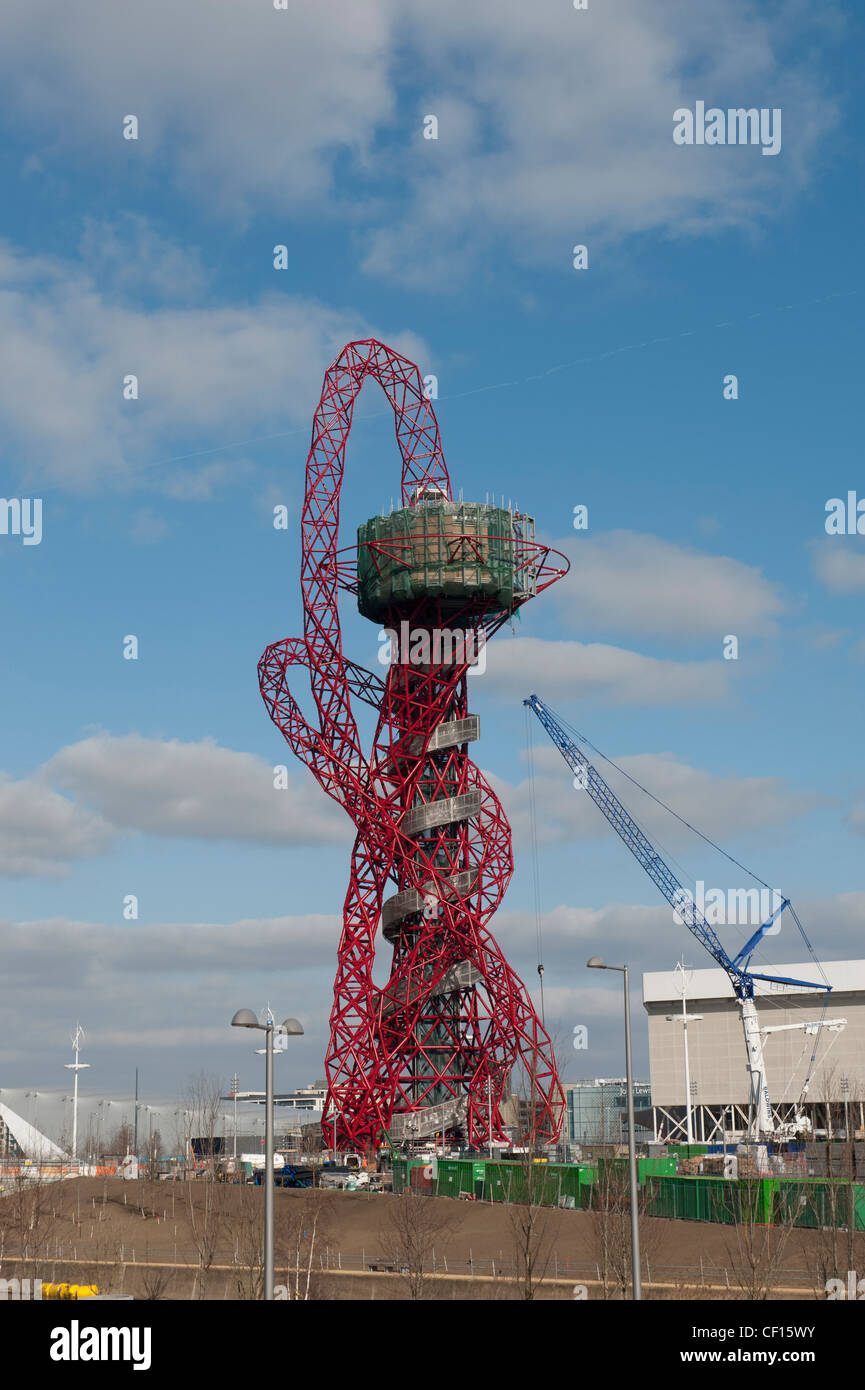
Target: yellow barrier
69	1290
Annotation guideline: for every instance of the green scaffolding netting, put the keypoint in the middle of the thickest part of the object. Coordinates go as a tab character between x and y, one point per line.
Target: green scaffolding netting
447	552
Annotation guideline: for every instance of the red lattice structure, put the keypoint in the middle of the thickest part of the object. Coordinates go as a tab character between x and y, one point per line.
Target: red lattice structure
438	1047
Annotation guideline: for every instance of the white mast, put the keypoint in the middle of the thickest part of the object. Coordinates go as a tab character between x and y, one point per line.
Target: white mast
760	1108
686	1019
76	1066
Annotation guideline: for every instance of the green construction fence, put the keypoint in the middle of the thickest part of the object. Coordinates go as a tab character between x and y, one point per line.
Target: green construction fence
803	1202
549	1184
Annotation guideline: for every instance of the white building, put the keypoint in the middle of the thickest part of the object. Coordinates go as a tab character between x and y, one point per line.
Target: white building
716	1049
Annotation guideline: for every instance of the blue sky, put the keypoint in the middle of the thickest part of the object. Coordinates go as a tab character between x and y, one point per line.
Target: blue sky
556	387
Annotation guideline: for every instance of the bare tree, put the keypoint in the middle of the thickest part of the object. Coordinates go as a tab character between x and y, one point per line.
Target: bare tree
532	1237
611	1226
156	1282
204	1195
303	1226
760	1237
88	1145
153	1153
122	1139
829	1205
247	1231
202	1108
531	1194
415	1225
27	1219
102	1264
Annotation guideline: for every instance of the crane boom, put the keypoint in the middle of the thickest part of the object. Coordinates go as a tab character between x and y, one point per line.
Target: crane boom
737	967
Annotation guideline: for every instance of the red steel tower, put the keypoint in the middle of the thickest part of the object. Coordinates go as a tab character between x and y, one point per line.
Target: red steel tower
437	1048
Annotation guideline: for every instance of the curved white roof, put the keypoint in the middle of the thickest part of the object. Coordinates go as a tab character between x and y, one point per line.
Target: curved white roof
32	1143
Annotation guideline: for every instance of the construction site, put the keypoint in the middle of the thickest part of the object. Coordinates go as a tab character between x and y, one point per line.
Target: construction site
736	1170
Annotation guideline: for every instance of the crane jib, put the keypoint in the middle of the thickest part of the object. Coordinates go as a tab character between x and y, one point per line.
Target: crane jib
741	978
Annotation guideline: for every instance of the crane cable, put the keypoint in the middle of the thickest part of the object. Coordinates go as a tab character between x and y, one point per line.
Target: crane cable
581	738
536	876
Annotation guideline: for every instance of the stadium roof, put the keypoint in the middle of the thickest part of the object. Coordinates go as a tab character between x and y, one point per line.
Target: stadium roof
31	1142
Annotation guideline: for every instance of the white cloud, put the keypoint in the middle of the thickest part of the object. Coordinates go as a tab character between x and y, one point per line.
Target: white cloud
166	787
41	832
239	103
563	130
555	125
203	373
152	992
648	938
199	483
722	807
129	256
839	564
570	934
162	994
634	583
597	671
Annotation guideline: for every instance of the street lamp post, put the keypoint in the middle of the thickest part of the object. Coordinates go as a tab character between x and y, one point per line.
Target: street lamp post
685	1018
598	963
245	1018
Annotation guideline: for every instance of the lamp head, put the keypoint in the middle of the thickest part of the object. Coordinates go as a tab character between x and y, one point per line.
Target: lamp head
245	1018
596	963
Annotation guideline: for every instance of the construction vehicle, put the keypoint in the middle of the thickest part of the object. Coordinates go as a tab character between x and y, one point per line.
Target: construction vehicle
762	1125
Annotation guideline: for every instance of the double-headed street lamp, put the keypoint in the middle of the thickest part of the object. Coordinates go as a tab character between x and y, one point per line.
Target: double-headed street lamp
245	1018
598	963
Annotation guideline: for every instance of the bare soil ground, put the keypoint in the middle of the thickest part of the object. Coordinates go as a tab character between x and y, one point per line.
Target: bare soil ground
117	1234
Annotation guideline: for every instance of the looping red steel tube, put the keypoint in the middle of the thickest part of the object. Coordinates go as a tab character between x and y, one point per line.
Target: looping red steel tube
437	1049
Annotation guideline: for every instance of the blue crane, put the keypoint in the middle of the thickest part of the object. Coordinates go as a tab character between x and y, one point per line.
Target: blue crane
738	967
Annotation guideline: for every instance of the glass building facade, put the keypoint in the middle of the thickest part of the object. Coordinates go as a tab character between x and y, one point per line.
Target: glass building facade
597	1110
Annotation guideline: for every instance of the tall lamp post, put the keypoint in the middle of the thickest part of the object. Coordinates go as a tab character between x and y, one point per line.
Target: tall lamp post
76	1067
245	1018
598	963
685	1019
234	1085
